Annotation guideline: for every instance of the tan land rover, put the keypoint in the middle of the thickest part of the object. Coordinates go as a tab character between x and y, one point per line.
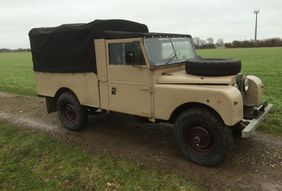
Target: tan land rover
119	66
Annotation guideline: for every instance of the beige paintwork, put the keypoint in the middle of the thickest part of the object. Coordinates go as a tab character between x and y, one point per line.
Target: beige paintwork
154	93
132	85
254	94
174	87
101	60
221	98
181	77
83	85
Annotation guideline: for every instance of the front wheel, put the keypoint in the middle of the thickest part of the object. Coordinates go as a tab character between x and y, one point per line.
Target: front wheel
71	113
202	137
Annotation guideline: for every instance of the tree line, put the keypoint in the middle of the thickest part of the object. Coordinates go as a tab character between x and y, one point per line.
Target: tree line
205	44
209	43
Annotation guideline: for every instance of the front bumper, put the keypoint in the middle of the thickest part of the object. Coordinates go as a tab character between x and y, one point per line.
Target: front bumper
251	124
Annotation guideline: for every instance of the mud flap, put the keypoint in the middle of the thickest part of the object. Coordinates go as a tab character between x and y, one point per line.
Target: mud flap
50	104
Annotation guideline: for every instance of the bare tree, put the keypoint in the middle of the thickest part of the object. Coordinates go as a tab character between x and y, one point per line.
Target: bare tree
197	41
203	42
210	40
220	42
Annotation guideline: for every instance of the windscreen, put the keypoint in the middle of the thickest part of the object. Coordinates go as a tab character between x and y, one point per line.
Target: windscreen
163	51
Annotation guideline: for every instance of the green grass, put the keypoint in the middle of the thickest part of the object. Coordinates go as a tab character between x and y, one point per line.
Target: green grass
35	161
16	74
266	63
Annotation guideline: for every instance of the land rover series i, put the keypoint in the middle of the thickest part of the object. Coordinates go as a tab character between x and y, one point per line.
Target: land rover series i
119	66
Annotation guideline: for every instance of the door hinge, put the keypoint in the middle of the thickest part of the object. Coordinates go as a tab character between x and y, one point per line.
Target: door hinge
147	114
150	90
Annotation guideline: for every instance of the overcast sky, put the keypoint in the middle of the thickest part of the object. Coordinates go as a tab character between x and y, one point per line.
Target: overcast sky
227	19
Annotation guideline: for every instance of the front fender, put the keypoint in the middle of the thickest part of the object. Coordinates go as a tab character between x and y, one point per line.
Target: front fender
227	101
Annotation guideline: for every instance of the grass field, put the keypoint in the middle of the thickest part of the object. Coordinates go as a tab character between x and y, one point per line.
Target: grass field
34	161
16	75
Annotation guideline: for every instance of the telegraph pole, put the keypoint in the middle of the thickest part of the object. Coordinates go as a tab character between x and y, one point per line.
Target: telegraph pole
256	11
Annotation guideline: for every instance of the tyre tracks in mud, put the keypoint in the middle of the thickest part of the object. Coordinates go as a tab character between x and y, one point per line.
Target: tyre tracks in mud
253	164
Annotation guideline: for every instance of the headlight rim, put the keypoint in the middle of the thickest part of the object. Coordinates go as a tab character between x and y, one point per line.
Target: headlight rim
246	85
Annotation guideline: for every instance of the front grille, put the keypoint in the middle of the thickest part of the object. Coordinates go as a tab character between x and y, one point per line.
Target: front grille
249	112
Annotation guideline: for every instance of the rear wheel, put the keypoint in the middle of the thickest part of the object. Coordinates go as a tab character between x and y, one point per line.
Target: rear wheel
202	137
72	115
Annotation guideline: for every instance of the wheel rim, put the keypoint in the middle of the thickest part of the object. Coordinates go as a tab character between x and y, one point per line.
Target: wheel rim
199	138
69	112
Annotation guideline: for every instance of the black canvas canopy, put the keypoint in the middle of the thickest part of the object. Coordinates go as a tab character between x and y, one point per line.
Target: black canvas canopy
70	47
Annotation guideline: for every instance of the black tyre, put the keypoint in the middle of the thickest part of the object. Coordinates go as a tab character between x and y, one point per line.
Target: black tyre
202	137
72	115
212	67
237	131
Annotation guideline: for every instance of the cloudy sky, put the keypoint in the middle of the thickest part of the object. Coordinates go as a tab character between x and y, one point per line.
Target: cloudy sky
227	19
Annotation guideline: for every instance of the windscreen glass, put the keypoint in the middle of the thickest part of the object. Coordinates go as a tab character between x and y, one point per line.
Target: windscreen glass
162	51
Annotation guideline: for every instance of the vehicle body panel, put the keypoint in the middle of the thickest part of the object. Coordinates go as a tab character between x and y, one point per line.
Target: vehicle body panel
222	99
181	77
128	85
254	95
83	85
101	60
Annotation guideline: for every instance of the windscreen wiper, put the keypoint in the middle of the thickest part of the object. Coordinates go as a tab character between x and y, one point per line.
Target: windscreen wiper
170	58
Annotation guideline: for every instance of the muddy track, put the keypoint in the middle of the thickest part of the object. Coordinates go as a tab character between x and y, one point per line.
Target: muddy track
253	164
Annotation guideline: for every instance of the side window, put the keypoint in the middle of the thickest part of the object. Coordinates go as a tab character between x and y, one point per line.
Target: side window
116	52
126	53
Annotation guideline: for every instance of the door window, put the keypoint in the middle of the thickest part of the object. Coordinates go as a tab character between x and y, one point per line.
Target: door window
126	54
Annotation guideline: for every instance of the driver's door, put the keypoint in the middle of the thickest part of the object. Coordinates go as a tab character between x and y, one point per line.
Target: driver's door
128	78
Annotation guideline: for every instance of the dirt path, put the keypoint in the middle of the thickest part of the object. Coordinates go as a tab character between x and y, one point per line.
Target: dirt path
254	164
